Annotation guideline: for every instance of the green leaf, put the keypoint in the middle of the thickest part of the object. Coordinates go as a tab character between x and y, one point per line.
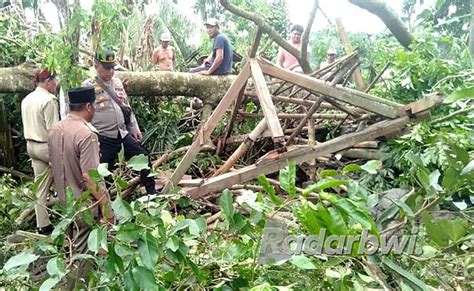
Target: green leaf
138	163
173	243
403	206
328	173
129	282
225	201
49	283
20	260
288	179
60	228
462	94
356	213
56	267
330	183
148	250
351	168
372	166
122	208
69	202
302	262
129	232
450	178
103	170
94	176
409	277
269	190
93	242
144	278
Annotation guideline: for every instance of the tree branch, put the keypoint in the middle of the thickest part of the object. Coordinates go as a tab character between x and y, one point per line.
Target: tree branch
305	40
265	27
389	17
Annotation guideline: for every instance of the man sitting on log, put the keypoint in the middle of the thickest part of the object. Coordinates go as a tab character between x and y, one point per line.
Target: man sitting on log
219	62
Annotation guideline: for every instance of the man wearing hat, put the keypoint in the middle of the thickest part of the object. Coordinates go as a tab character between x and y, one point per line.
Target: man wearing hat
332	56
39	112
164	55
219	62
114	118
287	60
74	151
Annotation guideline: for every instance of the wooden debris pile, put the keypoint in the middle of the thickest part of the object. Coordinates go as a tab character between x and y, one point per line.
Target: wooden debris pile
297	115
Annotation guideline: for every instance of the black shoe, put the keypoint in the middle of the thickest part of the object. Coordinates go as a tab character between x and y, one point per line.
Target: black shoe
46	230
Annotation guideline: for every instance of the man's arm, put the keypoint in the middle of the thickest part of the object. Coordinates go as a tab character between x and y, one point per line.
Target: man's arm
154	57
132	127
51	115
217	62
281	57
89	159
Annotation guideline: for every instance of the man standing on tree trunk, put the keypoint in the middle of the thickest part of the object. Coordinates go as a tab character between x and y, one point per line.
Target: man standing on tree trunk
114	118
164	55
287	60
39	112
219	62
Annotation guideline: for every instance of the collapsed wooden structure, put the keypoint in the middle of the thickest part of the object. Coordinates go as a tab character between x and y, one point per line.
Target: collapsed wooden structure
318	97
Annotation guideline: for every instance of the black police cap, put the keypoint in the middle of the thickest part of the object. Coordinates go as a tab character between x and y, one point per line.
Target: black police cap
106	58
81	95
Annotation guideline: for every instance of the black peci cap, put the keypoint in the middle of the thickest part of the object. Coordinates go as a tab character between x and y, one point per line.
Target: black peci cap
106	58
81	95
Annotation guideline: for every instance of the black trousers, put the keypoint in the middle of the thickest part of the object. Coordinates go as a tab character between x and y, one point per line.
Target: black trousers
110	147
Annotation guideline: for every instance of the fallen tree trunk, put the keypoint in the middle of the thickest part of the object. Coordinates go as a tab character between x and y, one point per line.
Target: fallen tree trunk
210	89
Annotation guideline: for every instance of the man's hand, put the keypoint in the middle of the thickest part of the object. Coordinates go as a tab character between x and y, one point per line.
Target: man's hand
107	214
206	73
138	136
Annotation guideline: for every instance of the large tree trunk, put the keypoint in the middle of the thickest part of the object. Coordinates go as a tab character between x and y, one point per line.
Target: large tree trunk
471	34
389	17
208	88
7	152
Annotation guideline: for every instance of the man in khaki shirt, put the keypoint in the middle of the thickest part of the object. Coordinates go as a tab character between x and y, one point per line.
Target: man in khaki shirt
74	151
39	112
164	55
110	120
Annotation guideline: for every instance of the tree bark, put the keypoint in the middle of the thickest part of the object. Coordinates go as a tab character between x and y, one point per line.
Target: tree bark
389	17
273	34
471	34
7	151
208	88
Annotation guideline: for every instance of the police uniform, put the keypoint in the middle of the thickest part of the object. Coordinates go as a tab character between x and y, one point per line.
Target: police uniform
39	111
110	122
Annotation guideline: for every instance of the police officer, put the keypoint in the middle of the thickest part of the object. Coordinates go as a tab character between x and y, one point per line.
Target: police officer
39	112
114	118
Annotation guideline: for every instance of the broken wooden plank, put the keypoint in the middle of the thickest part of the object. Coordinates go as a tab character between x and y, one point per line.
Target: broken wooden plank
266	101
333	116
242	149
297	155
421	105
352	97
348	48
209	126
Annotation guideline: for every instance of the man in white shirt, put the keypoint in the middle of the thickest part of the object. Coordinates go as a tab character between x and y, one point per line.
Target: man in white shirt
39	112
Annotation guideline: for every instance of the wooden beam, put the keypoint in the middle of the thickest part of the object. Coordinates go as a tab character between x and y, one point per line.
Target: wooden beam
359	99
297	155
256	42
337	116
302	123
205	131
266	101
421	105
348	48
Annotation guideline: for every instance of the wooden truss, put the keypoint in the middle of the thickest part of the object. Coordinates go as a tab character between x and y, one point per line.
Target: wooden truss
375	117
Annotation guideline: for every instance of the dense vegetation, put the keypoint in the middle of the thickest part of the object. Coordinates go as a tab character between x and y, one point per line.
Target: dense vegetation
167	242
